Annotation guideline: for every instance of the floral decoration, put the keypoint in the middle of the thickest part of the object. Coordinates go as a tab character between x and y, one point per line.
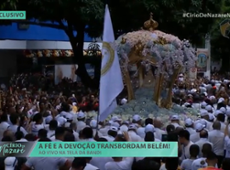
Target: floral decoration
145	107
168	50
58	53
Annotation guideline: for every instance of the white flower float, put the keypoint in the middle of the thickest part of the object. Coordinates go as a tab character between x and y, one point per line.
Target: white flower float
151	47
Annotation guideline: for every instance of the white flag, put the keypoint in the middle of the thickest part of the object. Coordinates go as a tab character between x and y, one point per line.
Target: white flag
111	83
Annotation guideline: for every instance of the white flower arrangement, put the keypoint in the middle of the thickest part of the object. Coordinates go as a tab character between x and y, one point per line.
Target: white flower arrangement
161	46
140	36
173	52
148	110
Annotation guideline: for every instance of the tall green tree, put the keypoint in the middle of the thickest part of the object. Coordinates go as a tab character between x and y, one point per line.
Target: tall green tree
219	44
87	16
169	14
7	5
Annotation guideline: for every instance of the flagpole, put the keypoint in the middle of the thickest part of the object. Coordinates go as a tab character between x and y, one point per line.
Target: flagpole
98	114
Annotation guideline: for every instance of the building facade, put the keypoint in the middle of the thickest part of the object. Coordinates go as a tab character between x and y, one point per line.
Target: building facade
16	38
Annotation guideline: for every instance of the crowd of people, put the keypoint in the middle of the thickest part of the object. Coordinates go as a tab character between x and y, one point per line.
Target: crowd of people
34	109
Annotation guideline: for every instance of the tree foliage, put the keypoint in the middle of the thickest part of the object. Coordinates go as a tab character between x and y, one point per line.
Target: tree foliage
220	45
87	16
7	5
169	14
127	15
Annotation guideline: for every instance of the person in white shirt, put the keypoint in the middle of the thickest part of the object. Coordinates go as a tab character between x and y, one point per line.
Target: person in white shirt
150	134
82	164
47	119
201	162
51	163
221	117
119	163
216	137
211	118
93	125
132	134
73	126
124	126
15	119
87	134
213	102
22	140
196	136
223	110
207	125
81	121
116	119
59	134
20	136
217	112
175	121
184	139
203	139
194	152
157	126
65	107
189	126
104	130
61	121
204	114
209	108
53	124
112	133
38	124
10	163
203	105
205	119
90	166
100	162
4	125
140	130
227	141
